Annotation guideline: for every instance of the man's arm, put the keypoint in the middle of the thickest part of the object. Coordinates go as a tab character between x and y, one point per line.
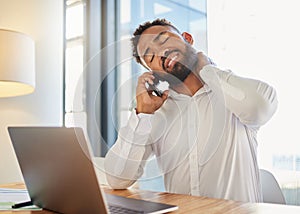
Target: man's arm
125	161
252	101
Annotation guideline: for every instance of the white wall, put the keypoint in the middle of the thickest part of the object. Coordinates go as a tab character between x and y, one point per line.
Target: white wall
43	21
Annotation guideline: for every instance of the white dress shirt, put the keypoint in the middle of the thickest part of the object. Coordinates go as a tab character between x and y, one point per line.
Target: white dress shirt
205	145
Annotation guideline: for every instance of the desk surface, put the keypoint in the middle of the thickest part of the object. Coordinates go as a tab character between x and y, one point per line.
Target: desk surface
186	203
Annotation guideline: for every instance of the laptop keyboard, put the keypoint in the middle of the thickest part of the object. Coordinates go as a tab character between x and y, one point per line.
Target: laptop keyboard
122	210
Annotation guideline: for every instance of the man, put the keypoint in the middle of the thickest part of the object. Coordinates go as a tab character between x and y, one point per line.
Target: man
202	130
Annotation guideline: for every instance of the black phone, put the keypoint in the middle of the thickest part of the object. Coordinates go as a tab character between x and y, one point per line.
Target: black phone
153	88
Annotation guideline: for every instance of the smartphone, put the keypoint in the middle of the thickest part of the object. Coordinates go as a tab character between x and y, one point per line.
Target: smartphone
153	88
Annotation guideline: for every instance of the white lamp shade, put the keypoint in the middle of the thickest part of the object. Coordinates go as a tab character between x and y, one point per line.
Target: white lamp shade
17	64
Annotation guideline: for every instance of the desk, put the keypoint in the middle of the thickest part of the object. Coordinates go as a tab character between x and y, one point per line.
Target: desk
186	203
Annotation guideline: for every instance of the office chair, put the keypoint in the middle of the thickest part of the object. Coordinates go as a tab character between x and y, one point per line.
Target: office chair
270	188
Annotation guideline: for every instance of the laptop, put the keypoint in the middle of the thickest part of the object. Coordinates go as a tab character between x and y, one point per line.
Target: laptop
60	176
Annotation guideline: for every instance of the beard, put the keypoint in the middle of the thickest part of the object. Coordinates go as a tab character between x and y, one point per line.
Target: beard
181	70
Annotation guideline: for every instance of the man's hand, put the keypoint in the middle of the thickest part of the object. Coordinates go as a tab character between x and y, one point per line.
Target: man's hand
146	101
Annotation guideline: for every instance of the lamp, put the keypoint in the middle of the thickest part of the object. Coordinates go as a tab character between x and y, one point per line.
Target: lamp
17	64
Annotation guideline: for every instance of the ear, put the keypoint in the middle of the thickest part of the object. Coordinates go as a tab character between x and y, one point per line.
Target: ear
188	37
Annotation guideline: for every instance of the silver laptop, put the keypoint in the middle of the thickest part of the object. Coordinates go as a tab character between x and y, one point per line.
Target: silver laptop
59	174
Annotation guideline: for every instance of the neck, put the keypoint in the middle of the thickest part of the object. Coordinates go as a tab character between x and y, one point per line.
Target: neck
189	86
192	83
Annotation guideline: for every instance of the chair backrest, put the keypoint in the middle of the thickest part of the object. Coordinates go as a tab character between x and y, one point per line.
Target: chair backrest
270	188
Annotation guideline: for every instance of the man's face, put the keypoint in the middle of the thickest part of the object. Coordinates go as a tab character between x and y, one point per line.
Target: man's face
165	52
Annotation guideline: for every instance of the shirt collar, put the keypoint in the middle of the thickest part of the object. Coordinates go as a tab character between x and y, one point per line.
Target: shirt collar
202	90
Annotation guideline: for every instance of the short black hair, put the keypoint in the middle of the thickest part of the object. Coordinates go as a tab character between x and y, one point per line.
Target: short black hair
141	28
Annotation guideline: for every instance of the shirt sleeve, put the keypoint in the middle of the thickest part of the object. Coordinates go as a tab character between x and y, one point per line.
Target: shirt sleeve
252	101
126	159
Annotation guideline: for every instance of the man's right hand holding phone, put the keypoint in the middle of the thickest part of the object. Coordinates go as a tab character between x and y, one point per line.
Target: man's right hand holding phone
147	102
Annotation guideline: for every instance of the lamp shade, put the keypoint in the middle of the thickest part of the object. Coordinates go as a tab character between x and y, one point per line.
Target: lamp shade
17	64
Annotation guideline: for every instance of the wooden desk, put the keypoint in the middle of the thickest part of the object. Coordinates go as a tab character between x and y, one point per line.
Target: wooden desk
186	203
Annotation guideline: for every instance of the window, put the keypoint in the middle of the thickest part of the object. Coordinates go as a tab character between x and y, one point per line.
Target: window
74	63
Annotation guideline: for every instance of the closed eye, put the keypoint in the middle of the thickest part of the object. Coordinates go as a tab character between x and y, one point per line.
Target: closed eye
152	58
165	40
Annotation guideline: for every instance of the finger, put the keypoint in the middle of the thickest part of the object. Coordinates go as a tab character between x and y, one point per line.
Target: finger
165	95
149	81
150	92
146	77
160	99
